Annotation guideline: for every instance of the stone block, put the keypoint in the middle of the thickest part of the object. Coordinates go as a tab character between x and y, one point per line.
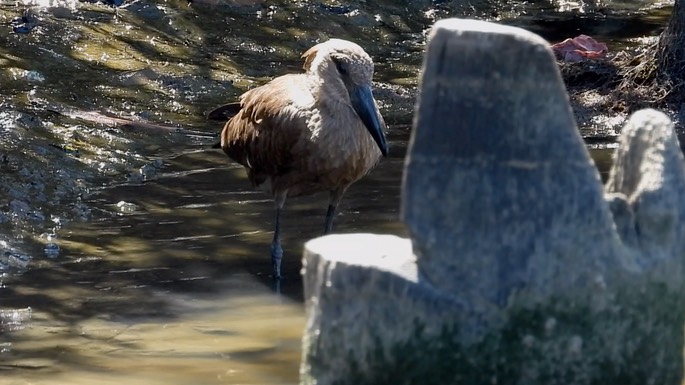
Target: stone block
522	268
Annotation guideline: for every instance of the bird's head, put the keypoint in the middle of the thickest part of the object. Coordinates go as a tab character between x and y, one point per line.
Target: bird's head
342	61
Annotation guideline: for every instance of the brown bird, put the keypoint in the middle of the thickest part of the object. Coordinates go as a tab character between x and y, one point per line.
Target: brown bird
301	134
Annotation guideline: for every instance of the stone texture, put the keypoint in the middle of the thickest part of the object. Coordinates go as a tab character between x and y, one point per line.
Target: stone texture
351	286
521	268
649	174
500	195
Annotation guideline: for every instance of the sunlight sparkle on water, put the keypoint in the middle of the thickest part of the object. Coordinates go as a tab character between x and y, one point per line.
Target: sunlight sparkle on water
71	4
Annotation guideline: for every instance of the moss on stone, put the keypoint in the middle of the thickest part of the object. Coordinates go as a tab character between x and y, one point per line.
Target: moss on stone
635	339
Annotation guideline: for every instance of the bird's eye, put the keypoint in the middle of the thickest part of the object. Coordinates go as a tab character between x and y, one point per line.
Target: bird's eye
339	65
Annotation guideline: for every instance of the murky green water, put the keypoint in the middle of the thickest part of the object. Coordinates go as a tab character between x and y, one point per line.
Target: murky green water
172	285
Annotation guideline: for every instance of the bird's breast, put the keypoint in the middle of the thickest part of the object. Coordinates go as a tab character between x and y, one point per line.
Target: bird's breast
342	154
334	150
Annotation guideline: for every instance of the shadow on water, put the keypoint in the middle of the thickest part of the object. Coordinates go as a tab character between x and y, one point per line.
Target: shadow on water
183	281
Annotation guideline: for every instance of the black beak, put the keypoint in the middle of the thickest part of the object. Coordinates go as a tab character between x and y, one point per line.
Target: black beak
365	106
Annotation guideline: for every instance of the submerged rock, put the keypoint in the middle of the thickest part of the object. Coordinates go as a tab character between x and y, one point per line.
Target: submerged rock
520	269
24	24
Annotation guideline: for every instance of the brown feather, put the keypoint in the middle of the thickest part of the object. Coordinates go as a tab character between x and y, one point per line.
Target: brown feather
262	136
300	133
309	56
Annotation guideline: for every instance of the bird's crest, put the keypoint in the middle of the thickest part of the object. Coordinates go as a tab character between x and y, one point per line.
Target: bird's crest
327	47
309	56
340	51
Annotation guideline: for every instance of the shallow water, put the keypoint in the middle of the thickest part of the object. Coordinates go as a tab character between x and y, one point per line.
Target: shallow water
178	290
138	255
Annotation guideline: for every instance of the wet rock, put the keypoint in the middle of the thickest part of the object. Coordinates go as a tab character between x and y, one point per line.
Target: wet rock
11	258
521	270
30	76
24	24
39	180
29	121
138	78
149	11
338	9
64	12
354	15
79	210
19	208
126	207
146	172
114	3
245	5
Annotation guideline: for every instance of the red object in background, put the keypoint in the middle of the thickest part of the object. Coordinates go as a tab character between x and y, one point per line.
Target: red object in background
580	48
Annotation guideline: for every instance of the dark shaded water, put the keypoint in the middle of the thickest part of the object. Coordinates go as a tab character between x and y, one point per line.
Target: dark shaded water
141	253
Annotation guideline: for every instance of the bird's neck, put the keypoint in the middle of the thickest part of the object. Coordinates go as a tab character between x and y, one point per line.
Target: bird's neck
329	89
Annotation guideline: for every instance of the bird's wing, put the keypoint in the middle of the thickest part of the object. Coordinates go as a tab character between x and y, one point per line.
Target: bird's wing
271	121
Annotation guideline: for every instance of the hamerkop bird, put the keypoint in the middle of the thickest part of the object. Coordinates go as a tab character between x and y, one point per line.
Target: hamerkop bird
311	132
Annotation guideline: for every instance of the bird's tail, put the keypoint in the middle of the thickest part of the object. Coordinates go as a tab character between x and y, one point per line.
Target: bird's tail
223	114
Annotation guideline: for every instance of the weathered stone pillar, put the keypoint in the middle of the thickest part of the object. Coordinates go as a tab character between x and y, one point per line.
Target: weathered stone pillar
501	197
520	269
649	176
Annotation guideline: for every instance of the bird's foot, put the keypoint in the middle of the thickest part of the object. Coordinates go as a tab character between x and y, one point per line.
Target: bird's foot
276	257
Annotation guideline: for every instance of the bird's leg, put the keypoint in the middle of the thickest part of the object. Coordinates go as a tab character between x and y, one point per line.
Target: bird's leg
276	249
336	196
329	219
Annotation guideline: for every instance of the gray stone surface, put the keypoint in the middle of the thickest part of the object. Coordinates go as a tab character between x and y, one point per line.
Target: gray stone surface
500	195
367	311
521	268
649	173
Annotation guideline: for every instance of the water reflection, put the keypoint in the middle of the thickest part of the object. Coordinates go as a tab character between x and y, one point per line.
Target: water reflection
179	289
241	334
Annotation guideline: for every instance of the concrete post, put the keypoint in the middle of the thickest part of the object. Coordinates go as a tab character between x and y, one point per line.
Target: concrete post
521	268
